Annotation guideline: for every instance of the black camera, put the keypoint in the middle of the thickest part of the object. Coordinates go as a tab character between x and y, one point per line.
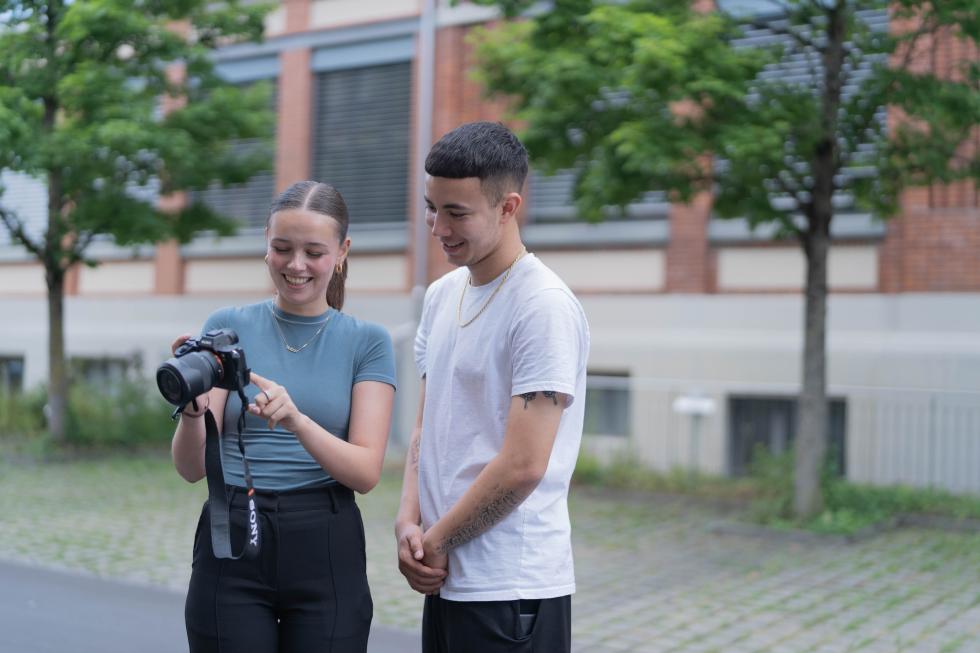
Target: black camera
213	361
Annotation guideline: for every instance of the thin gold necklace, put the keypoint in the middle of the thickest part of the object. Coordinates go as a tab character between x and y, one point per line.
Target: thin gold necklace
289	347
459	309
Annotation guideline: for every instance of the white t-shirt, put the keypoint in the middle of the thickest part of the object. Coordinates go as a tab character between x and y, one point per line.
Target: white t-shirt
532	337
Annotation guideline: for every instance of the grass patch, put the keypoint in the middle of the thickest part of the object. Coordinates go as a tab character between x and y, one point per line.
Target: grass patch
767	493
849	508
953	645
624	472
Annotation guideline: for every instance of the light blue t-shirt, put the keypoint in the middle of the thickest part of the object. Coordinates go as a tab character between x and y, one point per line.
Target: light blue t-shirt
319	380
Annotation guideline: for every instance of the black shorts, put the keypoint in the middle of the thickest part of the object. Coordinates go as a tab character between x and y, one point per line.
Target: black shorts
518	626
306	591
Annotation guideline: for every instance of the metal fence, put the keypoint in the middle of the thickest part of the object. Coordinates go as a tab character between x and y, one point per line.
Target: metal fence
891	436
916	437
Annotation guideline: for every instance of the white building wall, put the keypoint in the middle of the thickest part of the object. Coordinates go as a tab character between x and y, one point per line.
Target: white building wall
118	277
379	272
907	365
642	270
22	279
216	276
784	268
337	13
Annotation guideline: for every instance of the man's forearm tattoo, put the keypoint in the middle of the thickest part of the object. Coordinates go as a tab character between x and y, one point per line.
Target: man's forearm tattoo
414	447
499	505
529	396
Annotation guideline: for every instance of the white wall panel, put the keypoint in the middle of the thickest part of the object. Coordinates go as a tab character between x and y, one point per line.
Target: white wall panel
125	277
275	21
227	275
784	268
331	13
376	273
624	270
22	279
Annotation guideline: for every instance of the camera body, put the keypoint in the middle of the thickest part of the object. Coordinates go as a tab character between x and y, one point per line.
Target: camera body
212	361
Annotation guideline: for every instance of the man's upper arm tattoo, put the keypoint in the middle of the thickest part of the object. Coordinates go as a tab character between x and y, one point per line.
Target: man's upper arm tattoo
529	396
498	506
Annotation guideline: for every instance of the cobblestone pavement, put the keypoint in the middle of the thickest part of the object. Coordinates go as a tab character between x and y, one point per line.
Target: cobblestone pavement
654	574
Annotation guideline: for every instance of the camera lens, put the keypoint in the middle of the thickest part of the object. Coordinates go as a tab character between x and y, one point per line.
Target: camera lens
170	384
181	379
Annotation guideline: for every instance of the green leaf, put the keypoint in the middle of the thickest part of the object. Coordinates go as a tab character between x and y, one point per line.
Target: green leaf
81	86
633	95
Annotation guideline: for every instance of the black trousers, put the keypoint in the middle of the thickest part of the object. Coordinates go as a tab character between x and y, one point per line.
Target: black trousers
543	626
307	590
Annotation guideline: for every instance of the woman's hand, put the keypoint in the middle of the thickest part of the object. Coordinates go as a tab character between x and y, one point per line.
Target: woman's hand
201	402
274	404
178	341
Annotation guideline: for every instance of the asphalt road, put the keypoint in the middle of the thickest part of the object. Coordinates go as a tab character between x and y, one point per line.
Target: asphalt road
45	611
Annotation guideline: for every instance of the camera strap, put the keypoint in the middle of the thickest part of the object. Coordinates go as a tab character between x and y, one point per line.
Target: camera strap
219	510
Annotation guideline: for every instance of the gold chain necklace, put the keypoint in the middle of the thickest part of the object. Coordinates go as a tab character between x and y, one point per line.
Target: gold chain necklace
289	347
459	309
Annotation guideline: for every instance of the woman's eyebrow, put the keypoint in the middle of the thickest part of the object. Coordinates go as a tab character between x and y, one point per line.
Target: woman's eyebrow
315	243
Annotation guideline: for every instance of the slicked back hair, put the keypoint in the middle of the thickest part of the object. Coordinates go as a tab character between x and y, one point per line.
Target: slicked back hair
327	201
486	150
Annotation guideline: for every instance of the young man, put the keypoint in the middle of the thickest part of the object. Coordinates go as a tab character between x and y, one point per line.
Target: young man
483	527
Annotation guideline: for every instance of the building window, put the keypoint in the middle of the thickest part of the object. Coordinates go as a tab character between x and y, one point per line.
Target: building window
362	129
770	422
798	66
551	200
248	203
103	372
607	404
11	375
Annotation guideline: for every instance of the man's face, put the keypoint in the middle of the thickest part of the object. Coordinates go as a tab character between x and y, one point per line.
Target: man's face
462	219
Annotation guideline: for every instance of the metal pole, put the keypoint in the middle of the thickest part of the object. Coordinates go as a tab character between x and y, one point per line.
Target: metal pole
695	445
423	139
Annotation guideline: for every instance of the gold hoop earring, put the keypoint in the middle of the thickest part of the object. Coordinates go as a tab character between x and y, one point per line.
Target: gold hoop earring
339	268
266	259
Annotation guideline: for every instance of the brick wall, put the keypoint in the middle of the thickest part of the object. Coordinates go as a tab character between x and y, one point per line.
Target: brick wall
933	245
690	268
931	248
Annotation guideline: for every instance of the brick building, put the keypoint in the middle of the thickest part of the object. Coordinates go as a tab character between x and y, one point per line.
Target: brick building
680	303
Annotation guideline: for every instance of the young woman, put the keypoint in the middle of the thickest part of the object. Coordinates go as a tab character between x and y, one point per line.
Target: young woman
316	430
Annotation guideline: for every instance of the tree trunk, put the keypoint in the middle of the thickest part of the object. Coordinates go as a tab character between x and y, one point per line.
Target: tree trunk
811	426
57	376
55	257
54	270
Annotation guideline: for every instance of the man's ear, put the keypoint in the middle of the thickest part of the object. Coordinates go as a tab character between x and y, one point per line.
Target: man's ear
509	206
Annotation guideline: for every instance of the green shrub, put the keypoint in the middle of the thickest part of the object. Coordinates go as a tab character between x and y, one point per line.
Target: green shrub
887	502
626	471
126	414
22	414
848	507
588	469
768	492
772	476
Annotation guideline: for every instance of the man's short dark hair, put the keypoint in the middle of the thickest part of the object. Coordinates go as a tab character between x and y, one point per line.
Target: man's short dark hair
486	150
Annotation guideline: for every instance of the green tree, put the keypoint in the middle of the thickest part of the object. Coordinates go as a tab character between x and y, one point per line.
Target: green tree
652	95
107	100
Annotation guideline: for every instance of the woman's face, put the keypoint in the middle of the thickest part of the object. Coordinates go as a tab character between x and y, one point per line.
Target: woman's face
304	249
